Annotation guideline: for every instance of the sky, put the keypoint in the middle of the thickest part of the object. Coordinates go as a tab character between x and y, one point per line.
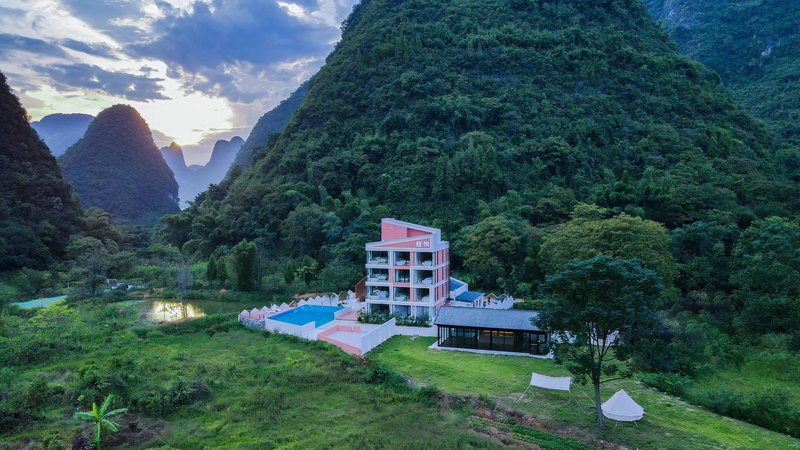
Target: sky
197	71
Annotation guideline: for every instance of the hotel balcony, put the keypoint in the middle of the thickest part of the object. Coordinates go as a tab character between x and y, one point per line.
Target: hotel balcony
424	259
378	293
402	276
378	275
378	258
402	294
424	277
402	258
422	295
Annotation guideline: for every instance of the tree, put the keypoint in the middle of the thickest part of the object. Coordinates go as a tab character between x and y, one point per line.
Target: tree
766	274
589	234
211	269
100	419
598	310
495	251
92	259
243	265
185	279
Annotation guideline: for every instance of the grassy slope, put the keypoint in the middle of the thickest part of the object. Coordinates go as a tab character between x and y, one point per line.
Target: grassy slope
765	371
669	423
268	391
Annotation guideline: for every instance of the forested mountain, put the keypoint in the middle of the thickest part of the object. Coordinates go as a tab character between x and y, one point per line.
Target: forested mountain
60	131
271	122
117	167
193	180
754	45
444	113
38	212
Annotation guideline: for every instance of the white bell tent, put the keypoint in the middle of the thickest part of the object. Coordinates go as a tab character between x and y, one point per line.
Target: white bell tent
622	408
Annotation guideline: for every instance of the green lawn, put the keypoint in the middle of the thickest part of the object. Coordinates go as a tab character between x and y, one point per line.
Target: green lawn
669	422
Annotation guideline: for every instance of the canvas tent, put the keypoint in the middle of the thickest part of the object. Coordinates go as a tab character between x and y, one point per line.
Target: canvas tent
622	408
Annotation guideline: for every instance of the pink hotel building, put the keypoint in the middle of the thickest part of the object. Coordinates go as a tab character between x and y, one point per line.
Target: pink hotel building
408	270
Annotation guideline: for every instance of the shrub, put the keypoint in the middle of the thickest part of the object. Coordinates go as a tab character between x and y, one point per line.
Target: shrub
401	320
164	402
671	383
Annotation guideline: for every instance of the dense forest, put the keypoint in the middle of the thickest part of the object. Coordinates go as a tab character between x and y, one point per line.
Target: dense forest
38	211
753	45
444	113
117	167
273	121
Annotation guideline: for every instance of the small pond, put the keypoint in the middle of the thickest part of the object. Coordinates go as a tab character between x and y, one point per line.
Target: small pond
165	311
40	302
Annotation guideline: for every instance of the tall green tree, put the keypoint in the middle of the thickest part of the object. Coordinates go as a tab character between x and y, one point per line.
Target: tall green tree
590	232
211	270
242	266
599	310
101	419
92	261
494	251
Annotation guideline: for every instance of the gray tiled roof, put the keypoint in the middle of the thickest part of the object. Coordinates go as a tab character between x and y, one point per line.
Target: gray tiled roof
502	319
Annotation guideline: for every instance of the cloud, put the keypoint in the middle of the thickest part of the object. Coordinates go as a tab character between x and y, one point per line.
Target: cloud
97	49
10	43
253	31
129	86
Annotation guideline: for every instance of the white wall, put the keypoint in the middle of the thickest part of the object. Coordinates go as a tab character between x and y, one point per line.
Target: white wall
377	336
307	331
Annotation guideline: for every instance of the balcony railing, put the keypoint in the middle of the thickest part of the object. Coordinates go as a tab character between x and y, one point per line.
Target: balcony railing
378	260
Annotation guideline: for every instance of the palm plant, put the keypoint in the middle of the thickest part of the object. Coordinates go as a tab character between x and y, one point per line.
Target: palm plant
100	419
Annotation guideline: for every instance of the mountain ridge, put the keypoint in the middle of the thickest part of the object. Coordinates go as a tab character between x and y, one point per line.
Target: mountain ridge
117	167
60	131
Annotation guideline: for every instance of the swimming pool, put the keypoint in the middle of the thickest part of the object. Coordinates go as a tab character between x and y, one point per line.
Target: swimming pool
41	302
302	315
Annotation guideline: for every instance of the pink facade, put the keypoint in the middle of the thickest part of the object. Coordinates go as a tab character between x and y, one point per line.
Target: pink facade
408	270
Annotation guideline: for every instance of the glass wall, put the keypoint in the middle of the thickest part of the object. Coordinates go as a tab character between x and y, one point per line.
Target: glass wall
498	340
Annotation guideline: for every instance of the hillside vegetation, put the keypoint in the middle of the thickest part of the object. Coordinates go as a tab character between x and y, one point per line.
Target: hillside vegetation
117	167
753	45
424	104
38	211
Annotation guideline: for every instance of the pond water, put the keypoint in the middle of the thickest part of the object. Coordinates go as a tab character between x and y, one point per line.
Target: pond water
165	311
40	302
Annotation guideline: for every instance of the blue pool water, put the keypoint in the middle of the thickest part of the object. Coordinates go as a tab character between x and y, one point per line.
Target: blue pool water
40	302
308	313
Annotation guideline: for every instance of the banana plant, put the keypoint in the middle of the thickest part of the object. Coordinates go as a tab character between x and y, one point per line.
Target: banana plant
100	419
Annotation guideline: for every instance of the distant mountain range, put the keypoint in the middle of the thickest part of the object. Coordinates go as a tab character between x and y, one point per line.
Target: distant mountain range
61	131
194	179
116	166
